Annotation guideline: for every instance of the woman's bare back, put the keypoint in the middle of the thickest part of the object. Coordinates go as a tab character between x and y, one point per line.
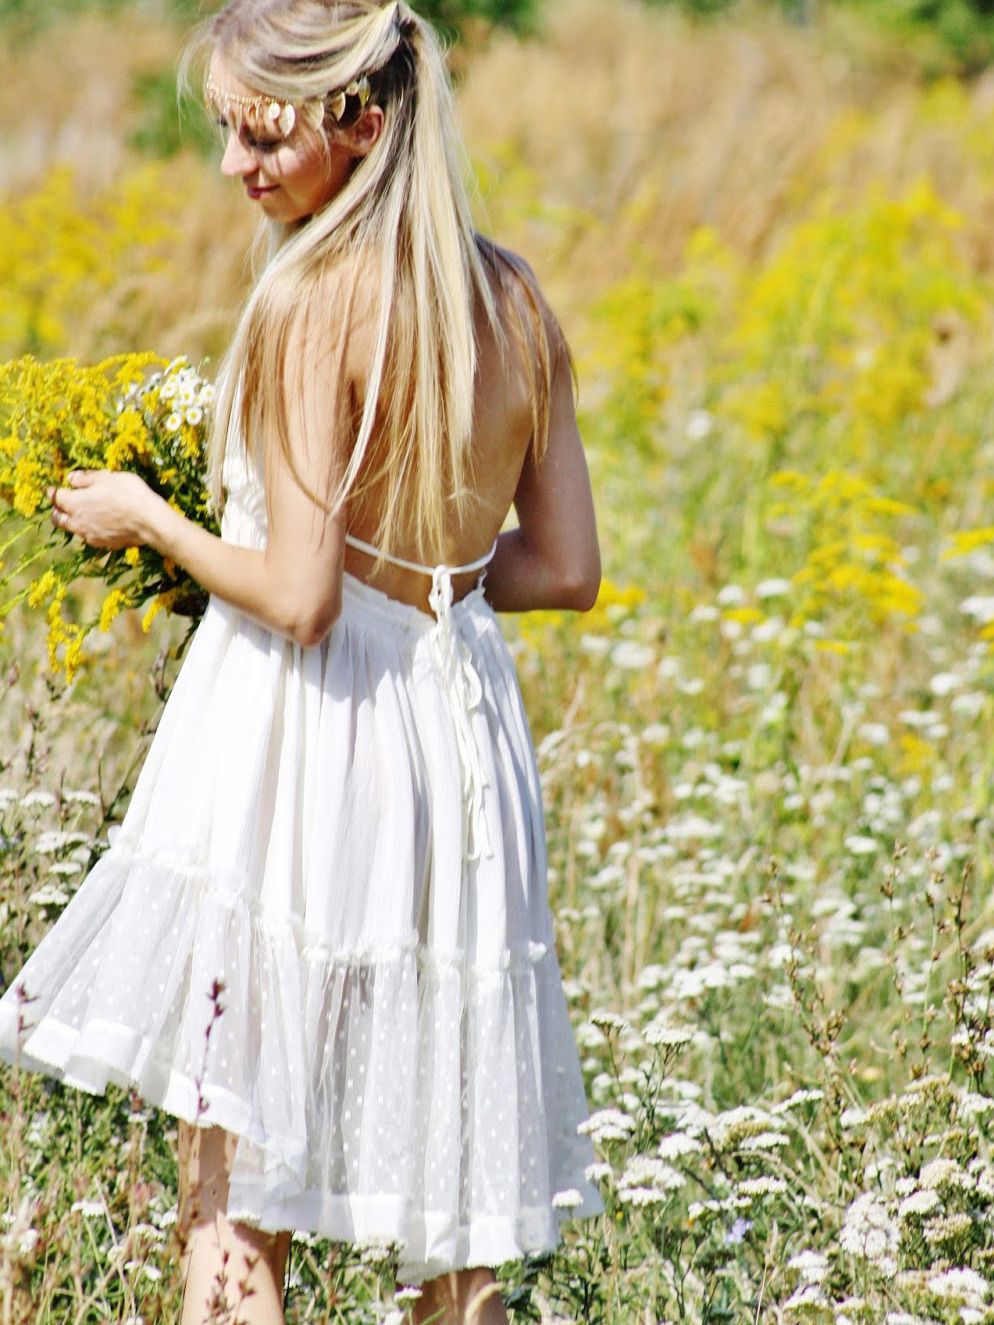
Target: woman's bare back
502	435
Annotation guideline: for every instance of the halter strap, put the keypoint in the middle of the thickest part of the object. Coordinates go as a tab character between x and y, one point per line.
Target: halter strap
404	564
454	663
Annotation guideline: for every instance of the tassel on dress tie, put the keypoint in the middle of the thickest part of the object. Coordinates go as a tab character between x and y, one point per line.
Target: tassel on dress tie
462	683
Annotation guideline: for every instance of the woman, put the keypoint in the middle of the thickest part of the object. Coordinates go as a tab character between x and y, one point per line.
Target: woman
339	819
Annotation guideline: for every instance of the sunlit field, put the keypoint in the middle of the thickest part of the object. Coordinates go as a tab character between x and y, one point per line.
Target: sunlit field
767	752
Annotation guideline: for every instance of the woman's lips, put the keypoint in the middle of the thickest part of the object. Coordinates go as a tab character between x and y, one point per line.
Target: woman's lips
257	193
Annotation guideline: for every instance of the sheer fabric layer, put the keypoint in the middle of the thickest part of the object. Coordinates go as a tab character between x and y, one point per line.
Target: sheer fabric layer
393	1052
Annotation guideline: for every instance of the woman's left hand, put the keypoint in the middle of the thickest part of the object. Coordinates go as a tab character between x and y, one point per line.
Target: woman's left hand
106	509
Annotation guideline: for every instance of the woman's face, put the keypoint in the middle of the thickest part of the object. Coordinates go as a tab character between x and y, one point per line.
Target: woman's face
290	177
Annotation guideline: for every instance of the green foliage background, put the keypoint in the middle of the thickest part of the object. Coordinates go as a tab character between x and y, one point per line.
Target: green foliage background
961	31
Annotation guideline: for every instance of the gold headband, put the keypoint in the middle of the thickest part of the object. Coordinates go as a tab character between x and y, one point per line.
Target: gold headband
359	87
283	114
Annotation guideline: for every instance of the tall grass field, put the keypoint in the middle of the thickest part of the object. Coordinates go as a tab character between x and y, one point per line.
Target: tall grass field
767	753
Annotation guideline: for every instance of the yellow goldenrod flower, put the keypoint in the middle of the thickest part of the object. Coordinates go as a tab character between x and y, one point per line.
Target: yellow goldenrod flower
60	416
115	602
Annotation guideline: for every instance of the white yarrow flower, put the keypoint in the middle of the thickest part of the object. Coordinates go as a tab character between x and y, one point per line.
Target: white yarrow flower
641	1196
773	588
49	844
567	1200
811	1266
979	608
27	1241
49	894
858	844
918	1203
605	1020
962	1284
944	1173
374	1253
598	1171
944	683
874	733
731	595
869	1232
65	868
76	797
807	1296
765	1141
632	655
647	1171
660	1035
699	425
37	800
763	1186
607	1125
677	1145
798	1098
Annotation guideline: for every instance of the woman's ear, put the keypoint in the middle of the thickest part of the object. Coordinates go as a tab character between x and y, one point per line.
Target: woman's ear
365	133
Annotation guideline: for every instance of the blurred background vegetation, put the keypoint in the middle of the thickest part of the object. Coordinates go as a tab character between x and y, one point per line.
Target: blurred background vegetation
960	31
768	229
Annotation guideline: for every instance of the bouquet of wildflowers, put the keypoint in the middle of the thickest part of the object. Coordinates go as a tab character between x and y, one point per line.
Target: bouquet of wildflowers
134	412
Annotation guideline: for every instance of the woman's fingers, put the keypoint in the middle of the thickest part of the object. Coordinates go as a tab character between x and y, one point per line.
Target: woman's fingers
77	478
61	520
100	507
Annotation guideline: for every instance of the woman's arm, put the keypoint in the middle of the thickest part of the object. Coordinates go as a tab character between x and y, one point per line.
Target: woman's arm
293	586
552	560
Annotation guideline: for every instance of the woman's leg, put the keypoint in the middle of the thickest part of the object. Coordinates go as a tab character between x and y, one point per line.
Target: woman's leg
466	1297
232	1272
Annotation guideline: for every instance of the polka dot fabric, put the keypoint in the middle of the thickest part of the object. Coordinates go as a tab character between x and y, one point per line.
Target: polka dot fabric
394	1052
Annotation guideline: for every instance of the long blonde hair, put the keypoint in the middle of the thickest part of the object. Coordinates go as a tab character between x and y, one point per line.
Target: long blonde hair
404	210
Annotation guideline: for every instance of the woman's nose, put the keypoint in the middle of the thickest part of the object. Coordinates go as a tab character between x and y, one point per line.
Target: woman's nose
237	159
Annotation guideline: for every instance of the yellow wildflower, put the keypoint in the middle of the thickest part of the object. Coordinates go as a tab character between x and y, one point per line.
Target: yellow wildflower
113	605
130	440
29	487
965	541
43	588
73	659
161	602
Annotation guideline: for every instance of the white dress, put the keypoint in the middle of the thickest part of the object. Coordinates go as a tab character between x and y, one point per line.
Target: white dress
350	838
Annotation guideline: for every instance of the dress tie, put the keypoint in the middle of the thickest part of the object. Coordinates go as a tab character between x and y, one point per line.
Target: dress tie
454	663
462	685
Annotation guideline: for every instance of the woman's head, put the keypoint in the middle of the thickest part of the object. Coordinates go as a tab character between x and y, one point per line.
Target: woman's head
366	84
285	157
290	81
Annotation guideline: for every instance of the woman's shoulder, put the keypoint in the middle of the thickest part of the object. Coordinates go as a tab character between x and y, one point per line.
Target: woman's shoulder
508	272
518	296
335	310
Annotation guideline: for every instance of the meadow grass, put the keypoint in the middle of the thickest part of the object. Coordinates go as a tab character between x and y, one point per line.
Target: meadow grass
766	753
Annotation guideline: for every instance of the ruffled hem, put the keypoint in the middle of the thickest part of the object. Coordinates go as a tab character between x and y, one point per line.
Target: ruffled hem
386	1093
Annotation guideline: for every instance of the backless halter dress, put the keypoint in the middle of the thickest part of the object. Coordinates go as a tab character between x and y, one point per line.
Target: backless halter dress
350	838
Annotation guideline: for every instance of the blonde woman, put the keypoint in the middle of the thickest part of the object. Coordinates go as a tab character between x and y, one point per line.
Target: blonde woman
339	819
